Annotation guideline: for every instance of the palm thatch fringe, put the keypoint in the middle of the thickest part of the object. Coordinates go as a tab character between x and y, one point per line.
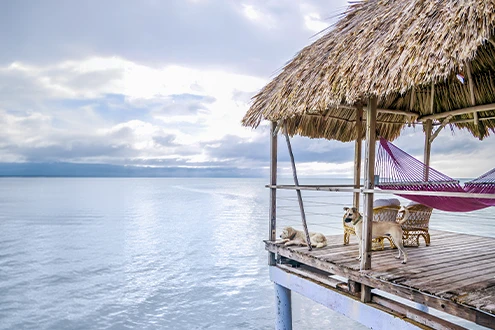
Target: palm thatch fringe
394	50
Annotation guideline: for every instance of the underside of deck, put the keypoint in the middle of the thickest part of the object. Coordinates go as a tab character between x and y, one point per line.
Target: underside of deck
455	274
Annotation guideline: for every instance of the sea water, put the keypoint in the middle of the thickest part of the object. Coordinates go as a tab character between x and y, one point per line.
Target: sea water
161	253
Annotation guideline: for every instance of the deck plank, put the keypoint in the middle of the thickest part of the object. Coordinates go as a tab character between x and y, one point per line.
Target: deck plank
453	274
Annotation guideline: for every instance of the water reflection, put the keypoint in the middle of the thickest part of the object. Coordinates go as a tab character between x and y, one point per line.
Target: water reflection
156	253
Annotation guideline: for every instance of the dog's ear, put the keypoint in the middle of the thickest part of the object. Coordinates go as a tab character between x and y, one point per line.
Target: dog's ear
346	208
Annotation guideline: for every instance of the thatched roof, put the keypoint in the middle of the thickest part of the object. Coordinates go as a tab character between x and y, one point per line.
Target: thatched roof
402	52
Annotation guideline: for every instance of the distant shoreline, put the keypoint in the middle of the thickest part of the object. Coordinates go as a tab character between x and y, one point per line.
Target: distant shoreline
74	170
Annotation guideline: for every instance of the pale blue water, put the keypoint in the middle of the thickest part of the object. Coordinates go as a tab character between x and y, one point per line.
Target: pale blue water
87	253
78	253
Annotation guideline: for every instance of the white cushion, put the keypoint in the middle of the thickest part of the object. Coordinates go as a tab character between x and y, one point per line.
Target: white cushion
386	202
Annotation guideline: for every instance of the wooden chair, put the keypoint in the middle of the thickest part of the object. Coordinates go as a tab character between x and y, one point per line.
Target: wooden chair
417	225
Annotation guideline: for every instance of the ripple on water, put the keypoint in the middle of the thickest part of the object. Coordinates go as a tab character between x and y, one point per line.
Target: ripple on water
136	254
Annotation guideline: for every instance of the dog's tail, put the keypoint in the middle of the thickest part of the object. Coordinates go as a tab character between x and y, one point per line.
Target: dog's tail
405	216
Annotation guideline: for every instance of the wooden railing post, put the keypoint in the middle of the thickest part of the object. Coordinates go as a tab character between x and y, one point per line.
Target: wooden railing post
273	191
369	178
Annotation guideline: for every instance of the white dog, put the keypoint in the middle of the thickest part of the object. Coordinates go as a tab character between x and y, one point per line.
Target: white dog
379	228
291	236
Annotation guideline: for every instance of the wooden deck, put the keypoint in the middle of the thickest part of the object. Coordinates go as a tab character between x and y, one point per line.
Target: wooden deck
455	274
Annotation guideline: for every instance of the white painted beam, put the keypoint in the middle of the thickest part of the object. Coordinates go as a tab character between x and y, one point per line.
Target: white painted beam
349	306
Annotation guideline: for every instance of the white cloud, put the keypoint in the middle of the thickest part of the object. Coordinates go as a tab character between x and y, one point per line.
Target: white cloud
257	16
163	93
251	12
318	18
131	79
168	96
314	22
320	169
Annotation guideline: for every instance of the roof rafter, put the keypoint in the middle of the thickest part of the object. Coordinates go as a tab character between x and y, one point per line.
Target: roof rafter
484	107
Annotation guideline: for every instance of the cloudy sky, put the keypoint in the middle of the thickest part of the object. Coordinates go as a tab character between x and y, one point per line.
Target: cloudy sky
166	83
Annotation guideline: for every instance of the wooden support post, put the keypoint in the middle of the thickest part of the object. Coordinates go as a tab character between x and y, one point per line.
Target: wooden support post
428	128
296	183
273	191
471	93
369	183
428	125
412	99
354	287
357	154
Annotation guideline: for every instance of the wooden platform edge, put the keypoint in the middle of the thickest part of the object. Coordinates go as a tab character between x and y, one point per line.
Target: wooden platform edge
450	307
378	312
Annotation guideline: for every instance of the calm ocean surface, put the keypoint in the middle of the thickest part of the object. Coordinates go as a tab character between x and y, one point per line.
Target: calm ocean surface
98	253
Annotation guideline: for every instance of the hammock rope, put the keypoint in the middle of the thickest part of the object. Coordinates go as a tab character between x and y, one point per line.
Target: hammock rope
485	184
397	170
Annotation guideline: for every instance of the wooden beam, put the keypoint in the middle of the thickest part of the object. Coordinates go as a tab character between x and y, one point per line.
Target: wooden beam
432	98
412	100
335	188
471	92
357	154
272	235
369	178
327	116
484	107
471	84
380	110
398	112
475	118
460	121
299	196
416	315
437	131
350	188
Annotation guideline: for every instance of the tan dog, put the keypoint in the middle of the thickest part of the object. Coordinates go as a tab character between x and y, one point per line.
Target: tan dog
379	228
291	236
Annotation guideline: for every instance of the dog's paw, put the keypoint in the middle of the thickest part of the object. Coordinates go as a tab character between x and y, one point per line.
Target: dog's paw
403	261
397	257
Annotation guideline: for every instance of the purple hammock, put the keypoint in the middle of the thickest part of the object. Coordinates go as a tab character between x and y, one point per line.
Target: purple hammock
397	170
